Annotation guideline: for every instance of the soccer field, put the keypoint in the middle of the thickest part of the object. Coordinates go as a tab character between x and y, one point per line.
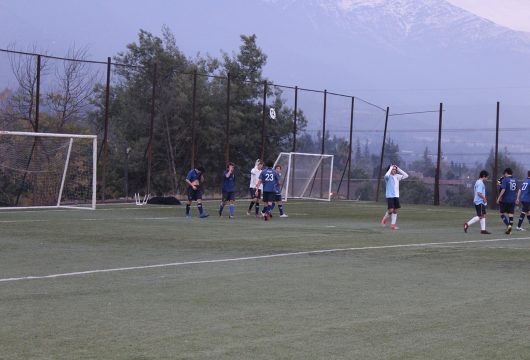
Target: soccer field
329	282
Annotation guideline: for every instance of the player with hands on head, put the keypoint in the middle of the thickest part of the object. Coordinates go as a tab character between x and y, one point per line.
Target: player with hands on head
229	185
194	180
255	192
392	178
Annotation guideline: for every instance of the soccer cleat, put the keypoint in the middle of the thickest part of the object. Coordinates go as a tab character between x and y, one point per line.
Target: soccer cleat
486	232
231	216
466	226
284	215
394	227
248	213
204	216
508	230
519	229
383	221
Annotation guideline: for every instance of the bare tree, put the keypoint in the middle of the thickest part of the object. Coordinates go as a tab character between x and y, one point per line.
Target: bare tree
22	102
76	82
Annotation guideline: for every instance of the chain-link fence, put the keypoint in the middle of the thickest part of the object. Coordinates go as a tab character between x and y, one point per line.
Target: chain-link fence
154	122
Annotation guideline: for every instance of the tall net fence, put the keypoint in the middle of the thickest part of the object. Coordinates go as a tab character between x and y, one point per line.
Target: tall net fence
156	121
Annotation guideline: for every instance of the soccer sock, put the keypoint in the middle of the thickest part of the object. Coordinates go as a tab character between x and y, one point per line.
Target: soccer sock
266	209
221	207
394	219
504	219
187	210
528	217
280	207
257	208
387	215
521	219
273	206
473	220
510	222
251	205
199	206
231	207
483	224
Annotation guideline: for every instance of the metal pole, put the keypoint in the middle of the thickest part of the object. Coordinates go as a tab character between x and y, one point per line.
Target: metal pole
151	132
193	106
323	142
382	156
227	134
37	96
438	160
104	144
263	120
350	147
295	117
496	161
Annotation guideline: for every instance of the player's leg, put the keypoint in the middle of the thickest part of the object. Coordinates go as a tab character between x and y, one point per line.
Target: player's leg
478	210
222	204
394	215
257	200
252	199
280	206
503	211
389	211
202	214
510	209
232	204
188	203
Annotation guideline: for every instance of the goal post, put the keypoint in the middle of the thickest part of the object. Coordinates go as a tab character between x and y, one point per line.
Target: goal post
306	175
47	170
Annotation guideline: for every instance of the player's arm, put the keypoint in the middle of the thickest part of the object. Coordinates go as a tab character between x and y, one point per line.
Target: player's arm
517	201
191	184
402	173
500	195
389	171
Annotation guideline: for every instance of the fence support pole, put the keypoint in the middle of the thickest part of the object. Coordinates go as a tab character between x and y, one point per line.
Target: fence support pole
151	132
37	96
263	120
295	117
104	145
193	109
382	157
227	129
496	161
438	160
350	147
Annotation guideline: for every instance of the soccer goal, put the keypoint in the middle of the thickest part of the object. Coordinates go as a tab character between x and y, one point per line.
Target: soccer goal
306	176
45	170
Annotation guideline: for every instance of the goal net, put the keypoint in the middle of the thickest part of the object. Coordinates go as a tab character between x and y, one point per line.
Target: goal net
306	176
43	170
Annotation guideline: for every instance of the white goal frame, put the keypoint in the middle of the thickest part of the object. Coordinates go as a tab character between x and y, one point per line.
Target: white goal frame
94	168
287	176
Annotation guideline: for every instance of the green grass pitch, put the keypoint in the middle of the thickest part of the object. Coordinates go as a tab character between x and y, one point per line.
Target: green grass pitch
329	282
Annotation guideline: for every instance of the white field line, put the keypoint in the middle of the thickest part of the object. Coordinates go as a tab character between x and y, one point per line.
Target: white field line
261	257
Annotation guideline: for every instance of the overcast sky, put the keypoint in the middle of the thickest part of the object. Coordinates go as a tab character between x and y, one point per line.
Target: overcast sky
106	26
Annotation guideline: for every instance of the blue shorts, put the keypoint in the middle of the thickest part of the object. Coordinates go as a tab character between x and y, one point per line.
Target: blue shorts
506	207
277	197
194	194
229	196
268	196
525	206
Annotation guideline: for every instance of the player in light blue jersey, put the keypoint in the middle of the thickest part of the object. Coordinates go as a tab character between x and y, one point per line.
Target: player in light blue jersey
480	202
228	190
506	199
523	200
270	179
392	178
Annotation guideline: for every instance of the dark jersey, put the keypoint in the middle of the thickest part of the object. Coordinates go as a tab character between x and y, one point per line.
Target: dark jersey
510	189
229	183
270	179
525	190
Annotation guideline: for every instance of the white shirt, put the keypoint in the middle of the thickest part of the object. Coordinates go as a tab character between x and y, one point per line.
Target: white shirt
392	182
254	177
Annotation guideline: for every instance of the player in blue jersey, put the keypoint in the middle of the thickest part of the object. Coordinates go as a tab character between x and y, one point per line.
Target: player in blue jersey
229	187
278	193
480	202
523	200
392	178
194	180
270	179
506	199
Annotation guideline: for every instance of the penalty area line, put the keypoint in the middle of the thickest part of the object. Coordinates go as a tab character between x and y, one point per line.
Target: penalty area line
259	257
